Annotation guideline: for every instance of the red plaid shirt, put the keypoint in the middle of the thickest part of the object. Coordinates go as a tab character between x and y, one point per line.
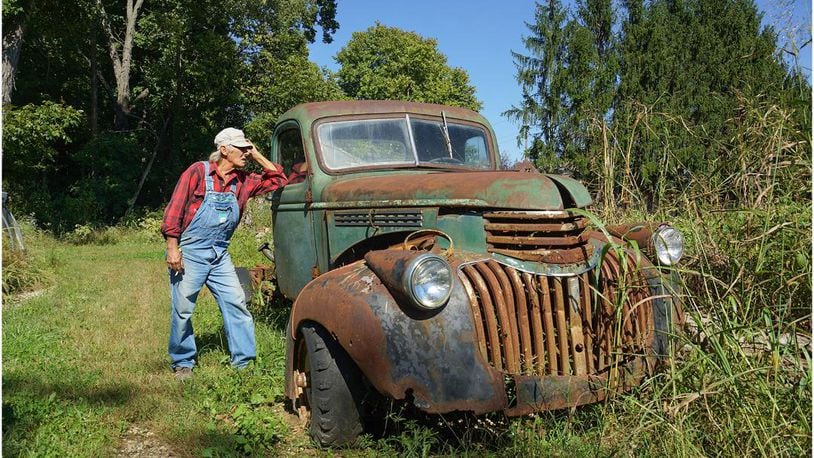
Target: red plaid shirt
191	189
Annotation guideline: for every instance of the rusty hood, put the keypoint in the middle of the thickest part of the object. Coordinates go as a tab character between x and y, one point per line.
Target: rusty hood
498	189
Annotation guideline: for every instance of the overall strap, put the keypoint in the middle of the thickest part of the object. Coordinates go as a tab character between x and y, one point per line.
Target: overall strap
234	187
210	185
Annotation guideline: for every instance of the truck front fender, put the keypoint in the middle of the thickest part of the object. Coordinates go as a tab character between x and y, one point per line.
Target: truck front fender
433	360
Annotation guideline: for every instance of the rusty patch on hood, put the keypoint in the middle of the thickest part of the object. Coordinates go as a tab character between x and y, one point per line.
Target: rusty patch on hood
512	189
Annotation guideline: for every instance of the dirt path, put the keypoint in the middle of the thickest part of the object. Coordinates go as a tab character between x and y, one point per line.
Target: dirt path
141	442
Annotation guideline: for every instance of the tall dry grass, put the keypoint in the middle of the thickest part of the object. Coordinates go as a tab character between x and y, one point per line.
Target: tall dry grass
740	383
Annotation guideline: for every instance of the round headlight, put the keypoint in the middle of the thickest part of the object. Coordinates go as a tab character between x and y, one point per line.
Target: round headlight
429	281
669	245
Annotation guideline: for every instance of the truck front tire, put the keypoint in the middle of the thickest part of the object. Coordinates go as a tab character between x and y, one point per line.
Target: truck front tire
334	389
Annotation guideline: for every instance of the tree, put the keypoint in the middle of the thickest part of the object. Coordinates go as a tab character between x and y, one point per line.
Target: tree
568	81
684	65
120	47
671	87
173	72
34	139
387	63
280	76
14	19
590	76
41	35
209	64
596	19
541	111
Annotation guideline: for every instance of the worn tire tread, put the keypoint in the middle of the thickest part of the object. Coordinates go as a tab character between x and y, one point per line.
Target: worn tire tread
336	382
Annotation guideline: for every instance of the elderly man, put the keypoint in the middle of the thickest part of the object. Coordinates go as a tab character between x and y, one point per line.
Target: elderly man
199	221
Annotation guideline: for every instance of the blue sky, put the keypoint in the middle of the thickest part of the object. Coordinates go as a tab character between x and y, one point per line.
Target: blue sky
479	35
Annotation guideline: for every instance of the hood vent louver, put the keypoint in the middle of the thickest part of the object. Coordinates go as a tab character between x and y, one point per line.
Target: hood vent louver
556	237
379	218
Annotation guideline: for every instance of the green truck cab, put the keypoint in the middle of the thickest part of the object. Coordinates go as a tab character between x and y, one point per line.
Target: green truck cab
420	271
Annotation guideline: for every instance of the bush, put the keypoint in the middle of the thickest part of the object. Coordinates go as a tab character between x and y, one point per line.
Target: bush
146	226
84	234
34	138
34	135
62	179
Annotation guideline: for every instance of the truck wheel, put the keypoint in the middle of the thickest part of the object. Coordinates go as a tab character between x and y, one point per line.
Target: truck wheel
333	388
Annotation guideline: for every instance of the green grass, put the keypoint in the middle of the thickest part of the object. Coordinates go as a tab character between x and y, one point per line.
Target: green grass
86	360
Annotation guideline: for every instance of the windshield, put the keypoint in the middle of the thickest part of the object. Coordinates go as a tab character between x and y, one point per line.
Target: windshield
403	141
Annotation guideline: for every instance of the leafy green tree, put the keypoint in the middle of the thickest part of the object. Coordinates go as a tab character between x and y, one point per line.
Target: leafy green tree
387	63
278	73
194	67
213	64
35	137
189	71
279	77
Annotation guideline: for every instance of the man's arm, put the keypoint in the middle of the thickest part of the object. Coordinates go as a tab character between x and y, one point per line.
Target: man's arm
272	178
262	160
174	215
175	260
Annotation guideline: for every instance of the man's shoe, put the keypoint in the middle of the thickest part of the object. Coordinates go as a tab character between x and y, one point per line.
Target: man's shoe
182	373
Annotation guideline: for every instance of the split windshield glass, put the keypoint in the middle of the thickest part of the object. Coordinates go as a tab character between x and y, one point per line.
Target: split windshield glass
403	142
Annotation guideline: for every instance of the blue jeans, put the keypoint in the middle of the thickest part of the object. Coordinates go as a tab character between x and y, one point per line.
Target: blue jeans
213	268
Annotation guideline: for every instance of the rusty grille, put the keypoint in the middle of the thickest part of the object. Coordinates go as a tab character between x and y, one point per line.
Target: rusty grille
541	325
551	236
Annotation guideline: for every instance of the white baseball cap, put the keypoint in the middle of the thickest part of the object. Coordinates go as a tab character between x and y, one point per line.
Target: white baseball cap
231	136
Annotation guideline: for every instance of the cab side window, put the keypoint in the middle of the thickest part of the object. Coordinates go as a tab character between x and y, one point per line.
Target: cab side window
292	155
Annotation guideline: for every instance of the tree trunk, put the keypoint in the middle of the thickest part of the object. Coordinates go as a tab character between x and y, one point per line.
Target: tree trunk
12	43
121	58
93	112
131	203
161	135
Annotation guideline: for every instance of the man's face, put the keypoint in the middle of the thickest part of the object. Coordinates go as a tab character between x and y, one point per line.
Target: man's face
238	156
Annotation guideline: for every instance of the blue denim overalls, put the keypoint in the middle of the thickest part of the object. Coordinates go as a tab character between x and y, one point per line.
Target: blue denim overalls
204	246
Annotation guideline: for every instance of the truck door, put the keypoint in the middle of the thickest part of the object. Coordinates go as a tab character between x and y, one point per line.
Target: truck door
294	250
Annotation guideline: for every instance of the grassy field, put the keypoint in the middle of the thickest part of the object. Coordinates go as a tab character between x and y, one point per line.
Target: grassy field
85	370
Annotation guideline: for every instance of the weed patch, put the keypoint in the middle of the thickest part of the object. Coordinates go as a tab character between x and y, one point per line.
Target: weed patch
25	270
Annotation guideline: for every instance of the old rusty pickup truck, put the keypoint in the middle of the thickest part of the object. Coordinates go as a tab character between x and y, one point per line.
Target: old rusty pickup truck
423	273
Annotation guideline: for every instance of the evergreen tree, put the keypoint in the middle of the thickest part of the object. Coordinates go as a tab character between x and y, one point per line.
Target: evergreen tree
684	63
590	81
568	82
661	99
541	110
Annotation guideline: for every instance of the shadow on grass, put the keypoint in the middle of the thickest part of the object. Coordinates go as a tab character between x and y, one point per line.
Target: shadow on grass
220	443
97	394
212	342
216	342
274	312
30	401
